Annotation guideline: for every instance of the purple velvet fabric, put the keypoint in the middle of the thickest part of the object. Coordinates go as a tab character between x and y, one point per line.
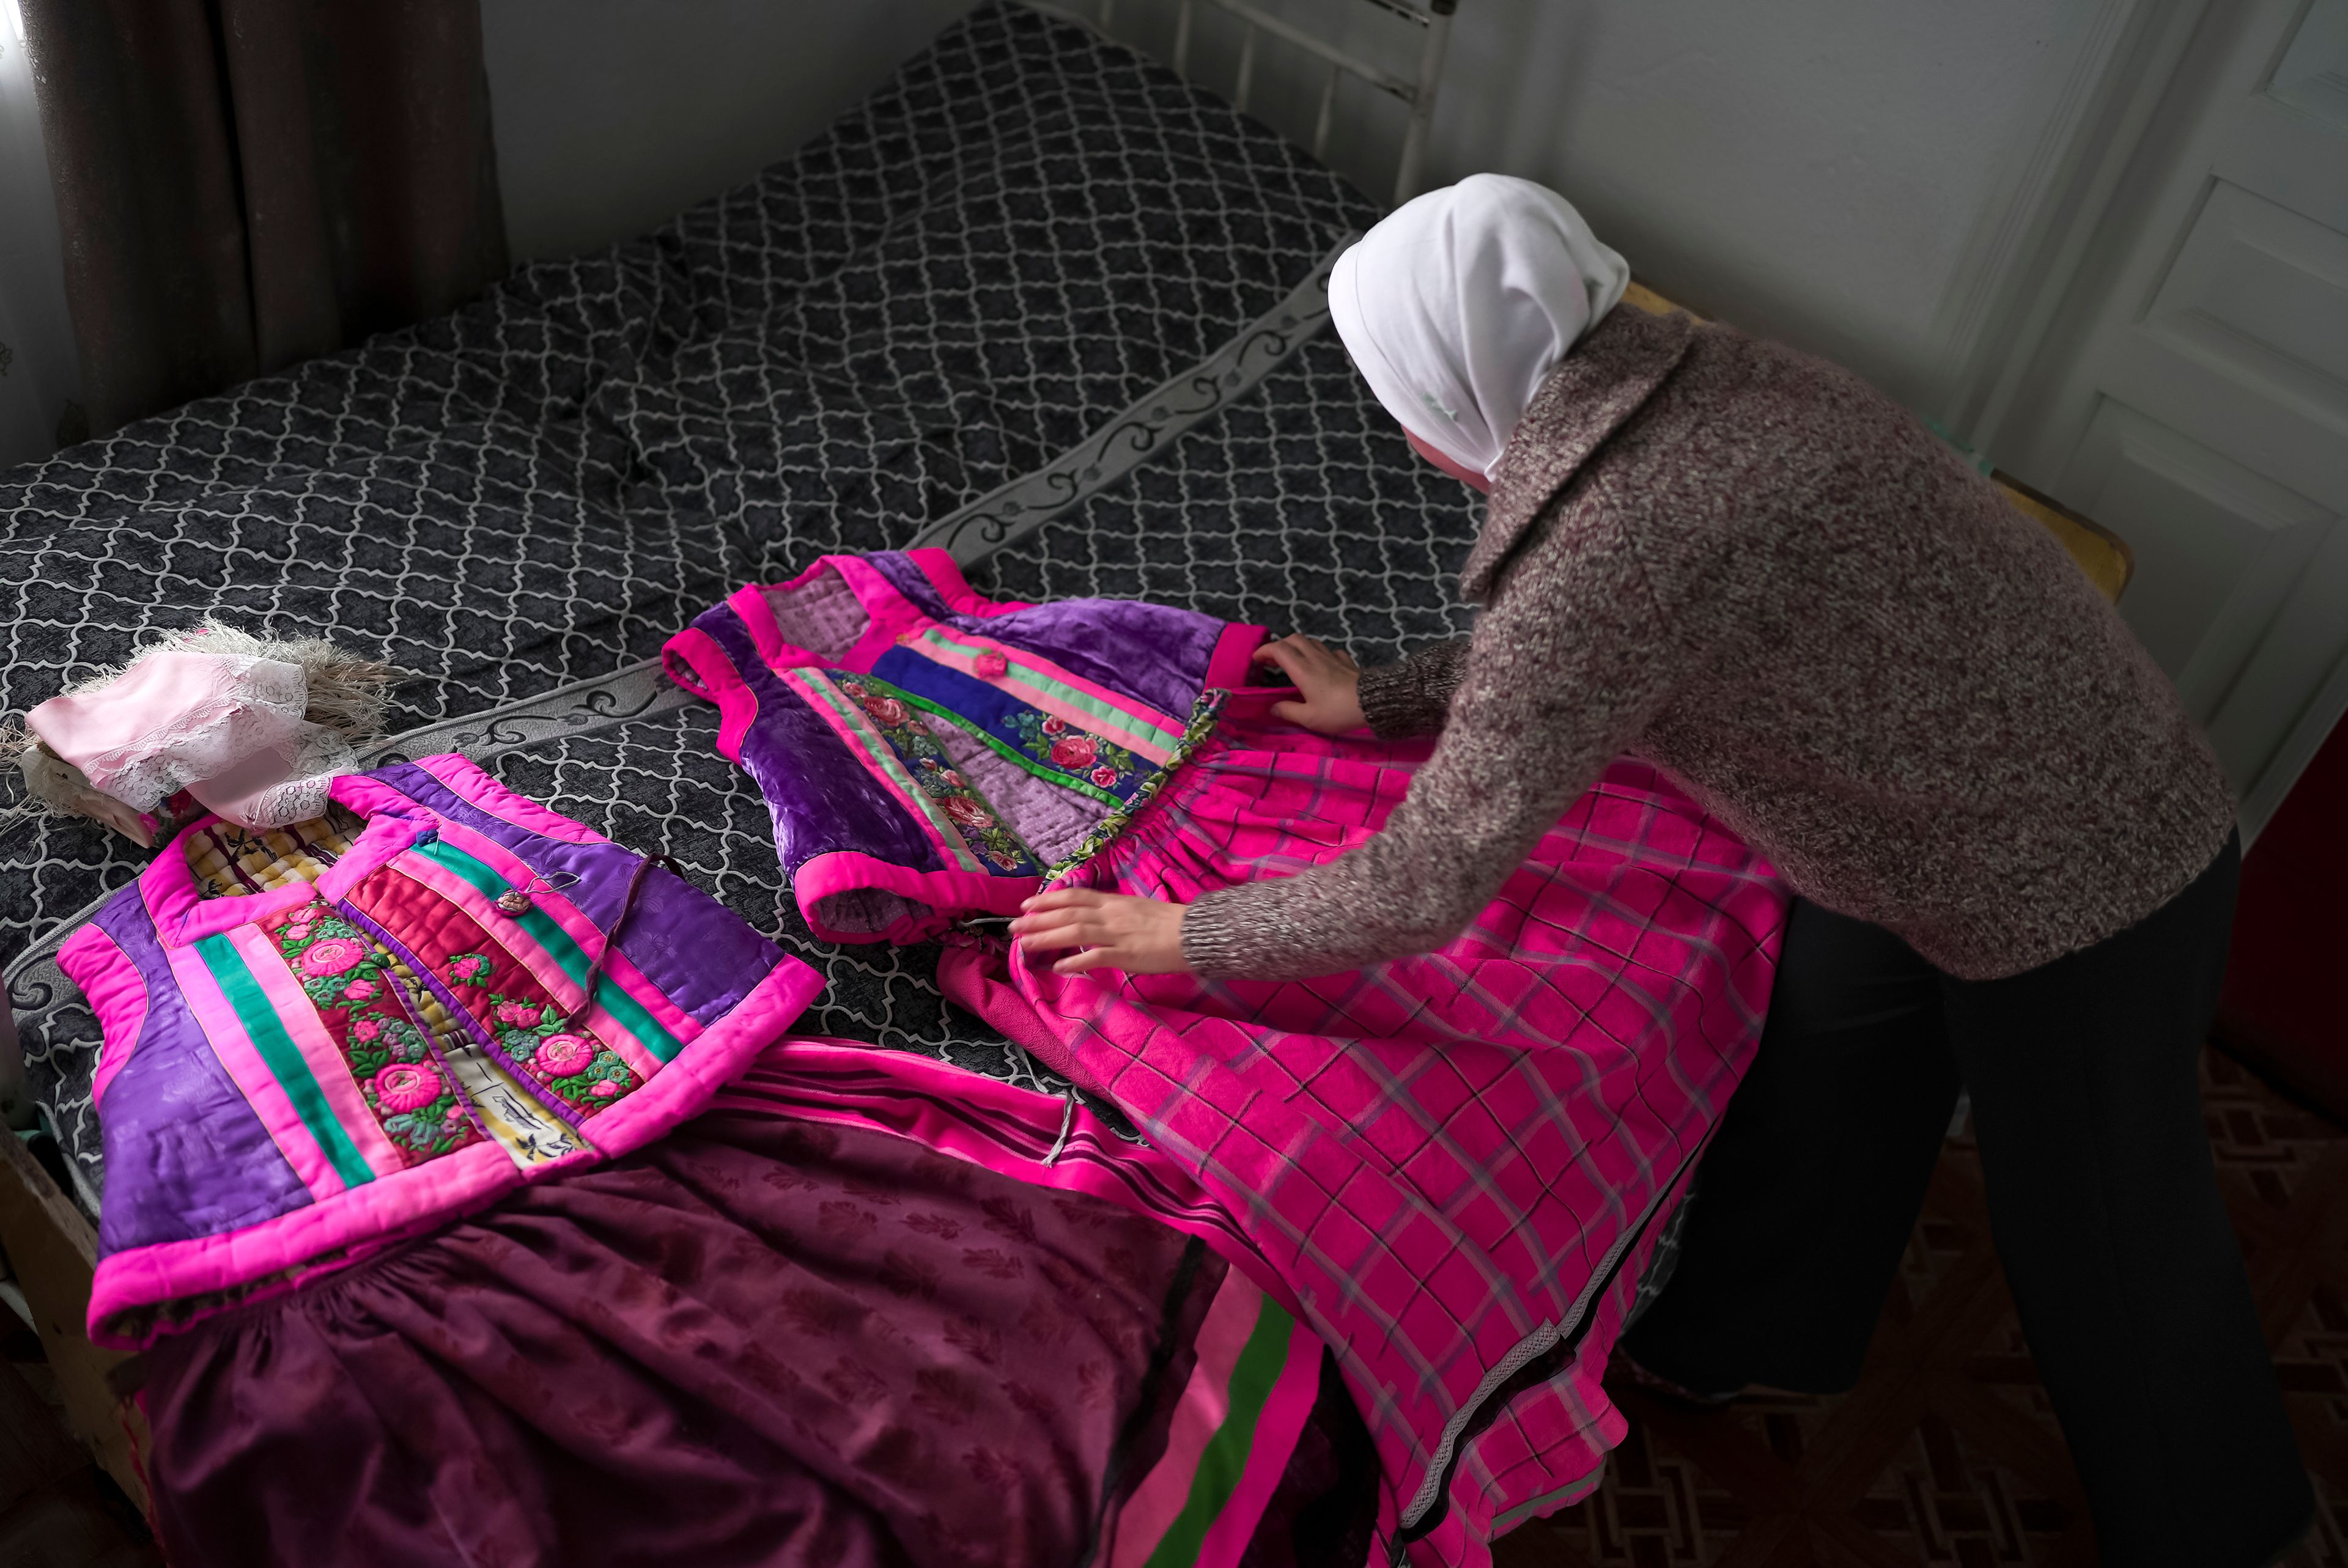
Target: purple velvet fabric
822	798
185	1156
702	957
760	1341
910	580
1153	653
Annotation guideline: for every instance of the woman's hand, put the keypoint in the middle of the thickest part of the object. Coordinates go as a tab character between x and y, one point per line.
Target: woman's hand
1139	936
1330	680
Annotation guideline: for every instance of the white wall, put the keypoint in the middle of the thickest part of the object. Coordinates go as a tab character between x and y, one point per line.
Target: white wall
1815	170
1811	168
1825	171
613	115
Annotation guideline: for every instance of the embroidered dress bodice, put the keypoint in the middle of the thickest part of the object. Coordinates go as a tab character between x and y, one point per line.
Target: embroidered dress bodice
320	1038
928	753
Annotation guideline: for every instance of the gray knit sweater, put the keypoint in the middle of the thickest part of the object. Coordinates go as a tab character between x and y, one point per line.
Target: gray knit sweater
1748	566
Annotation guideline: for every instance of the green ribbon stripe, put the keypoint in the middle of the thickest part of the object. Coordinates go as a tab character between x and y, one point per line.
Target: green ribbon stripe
876	747
1108	713
1004	748
568	955
1104	832
1224	1460
286	1063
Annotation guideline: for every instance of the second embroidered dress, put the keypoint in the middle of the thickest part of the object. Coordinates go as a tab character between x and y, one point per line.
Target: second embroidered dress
929	754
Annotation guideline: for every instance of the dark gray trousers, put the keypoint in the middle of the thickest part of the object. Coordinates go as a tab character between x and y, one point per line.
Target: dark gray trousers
2103	1199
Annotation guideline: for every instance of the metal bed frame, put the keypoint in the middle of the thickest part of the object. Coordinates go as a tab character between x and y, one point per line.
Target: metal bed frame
1417	94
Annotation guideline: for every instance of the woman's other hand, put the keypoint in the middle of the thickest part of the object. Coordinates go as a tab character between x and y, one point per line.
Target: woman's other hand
1330	680
1111	931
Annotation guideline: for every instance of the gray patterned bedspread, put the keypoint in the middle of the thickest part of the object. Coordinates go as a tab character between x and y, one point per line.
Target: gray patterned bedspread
1029	243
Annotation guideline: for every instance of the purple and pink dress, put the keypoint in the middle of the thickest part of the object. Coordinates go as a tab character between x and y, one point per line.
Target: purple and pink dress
928	753
471	1203
300	1074
1452	1167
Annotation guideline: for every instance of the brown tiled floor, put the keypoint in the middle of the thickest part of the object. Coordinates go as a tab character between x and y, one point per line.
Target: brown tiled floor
1946	1453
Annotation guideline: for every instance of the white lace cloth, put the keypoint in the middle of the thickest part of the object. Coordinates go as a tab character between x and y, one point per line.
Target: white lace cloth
227	728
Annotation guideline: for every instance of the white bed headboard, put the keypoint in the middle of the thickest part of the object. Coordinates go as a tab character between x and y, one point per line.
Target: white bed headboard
1416	93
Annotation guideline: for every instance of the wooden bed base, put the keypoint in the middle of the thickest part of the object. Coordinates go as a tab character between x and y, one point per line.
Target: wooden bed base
53	1251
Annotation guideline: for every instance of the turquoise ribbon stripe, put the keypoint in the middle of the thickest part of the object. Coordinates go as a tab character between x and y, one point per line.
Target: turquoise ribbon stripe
568	955
286	1063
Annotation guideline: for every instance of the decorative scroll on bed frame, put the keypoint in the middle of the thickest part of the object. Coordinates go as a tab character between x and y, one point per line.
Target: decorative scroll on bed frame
1416	92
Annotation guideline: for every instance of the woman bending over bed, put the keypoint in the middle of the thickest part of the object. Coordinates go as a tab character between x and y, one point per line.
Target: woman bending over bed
2016	855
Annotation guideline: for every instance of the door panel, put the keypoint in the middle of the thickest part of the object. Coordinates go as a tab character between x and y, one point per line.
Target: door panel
2285	682
2288	156
2313	75
2262	292
2217	546
2198	407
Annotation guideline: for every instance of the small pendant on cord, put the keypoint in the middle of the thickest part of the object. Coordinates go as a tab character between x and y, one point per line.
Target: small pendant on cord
517	900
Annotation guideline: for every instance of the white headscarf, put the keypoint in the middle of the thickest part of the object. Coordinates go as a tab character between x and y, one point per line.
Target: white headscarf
1457	306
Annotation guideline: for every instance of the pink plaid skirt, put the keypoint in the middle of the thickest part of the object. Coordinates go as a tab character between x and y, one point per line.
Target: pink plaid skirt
1455	1164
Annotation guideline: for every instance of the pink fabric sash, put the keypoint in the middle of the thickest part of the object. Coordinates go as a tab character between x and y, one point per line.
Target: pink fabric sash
1456	1162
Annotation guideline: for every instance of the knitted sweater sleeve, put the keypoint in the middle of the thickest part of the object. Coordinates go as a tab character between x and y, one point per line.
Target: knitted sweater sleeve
1567	665
1414	697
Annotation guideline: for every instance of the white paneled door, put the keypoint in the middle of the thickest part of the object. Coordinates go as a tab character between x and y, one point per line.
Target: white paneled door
2196	401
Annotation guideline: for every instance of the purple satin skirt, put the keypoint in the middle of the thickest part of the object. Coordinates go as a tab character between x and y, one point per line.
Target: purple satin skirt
760	1341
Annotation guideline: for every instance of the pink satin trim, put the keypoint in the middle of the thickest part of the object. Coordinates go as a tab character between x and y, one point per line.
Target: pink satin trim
954	894
1233	664
1205	1405
893	615
1278	1426
737	706
477	788
182	916
945	575
117	994
888	616
147	1277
